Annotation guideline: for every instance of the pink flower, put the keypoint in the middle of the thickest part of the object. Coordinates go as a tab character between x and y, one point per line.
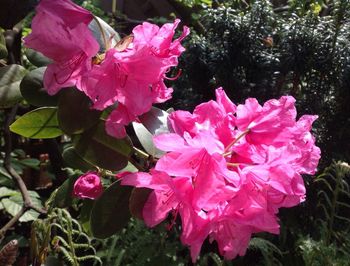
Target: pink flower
60	31
167	195
88	186
134	77
228	170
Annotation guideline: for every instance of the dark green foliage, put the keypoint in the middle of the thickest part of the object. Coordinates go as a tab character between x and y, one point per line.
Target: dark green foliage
255	51
329	243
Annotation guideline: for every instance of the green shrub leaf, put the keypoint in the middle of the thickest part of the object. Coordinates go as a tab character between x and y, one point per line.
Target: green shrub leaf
152	123
98	148
3	49
74	112
32	89
74	160
110	212
40	123
37	58
10	78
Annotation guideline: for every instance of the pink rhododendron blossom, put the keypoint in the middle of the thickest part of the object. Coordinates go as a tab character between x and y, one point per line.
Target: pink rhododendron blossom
228	169
60	31
131	73
134	77
88	186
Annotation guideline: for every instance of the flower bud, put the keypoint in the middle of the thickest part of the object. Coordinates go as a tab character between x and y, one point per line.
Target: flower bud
88	186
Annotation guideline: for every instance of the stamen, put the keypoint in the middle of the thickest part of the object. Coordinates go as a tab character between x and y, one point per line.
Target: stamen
226	153
71	64
176	76
123	44
172	223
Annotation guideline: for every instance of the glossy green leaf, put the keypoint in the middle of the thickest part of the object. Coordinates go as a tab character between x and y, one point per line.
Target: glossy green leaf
40	123
32	89
85	213
110	212
74	160
152	123
10	78
3	49
137	201
63	197
37	58
74	111
30	162
98	148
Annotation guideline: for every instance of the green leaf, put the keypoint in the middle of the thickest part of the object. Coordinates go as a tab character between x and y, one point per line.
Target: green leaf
85	213
3	172
74	160
98	148
10	78
40	123
3	49
32	89
74	112
152	123
30	162
5	192
14	204
37	58
137	201
63	197
110	212
129	168
5	181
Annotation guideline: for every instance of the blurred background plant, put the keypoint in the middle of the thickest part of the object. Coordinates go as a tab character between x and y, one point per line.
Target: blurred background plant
253	48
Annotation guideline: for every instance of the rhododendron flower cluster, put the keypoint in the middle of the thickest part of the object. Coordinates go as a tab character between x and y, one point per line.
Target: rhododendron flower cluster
131	73
228	169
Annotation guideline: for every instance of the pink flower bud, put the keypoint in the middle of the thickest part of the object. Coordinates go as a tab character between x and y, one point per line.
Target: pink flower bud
88	186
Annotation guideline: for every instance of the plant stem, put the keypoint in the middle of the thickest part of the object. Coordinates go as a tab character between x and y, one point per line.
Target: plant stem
27	202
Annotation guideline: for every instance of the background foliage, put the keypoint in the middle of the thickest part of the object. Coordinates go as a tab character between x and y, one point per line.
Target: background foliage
260	48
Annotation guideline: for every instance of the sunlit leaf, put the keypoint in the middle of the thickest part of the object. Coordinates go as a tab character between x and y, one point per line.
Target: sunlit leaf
152	123
40	123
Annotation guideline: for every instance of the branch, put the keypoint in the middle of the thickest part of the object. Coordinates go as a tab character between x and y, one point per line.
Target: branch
27	202
12	221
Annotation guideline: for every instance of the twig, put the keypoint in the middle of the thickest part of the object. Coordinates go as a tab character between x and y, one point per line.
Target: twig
27	202
12	221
